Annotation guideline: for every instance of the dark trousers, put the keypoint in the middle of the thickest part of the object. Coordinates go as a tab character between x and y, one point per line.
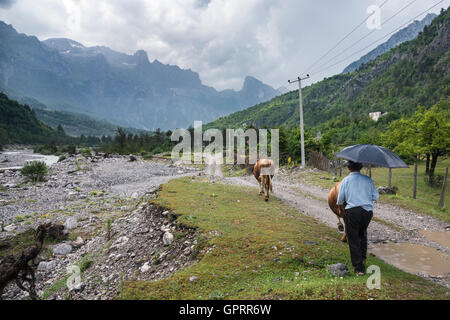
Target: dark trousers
356	222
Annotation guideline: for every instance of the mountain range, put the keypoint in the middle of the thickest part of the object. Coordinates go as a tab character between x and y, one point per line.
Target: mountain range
127	90
405	34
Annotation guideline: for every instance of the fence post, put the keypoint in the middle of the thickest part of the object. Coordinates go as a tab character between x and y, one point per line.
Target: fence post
415	181
390	178
444	185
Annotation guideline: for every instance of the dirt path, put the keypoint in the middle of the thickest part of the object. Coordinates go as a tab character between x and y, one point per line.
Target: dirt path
391	225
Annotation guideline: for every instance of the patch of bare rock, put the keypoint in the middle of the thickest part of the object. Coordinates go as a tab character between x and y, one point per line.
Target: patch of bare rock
145	244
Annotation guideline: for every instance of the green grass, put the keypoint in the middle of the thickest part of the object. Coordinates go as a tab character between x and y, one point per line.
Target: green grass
244	263
233	171
427	197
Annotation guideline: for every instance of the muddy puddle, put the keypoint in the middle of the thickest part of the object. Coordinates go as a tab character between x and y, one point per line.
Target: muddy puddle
441	237
414	258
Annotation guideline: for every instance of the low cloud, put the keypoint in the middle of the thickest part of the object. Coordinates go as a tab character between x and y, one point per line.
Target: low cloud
222	40
6	4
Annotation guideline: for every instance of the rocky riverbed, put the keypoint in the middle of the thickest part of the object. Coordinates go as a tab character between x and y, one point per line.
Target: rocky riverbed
114	234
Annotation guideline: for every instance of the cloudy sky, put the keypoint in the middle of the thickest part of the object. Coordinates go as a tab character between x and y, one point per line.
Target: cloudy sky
222	40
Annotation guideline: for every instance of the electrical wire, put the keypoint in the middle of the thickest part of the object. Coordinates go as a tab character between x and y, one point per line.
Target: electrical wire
386	35
345	37
359	40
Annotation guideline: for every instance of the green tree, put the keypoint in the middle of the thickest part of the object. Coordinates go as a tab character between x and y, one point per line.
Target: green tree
425	133
60	129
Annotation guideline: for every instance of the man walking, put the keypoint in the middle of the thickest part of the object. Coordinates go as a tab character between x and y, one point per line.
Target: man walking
358	192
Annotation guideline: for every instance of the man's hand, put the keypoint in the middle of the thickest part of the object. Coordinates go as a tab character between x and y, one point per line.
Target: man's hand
341	210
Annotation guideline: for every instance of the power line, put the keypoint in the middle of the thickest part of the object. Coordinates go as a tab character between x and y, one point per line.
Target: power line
326	68
345	37
352	78
359	40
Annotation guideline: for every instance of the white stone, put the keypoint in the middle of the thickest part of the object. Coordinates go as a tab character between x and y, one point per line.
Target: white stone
121	241
62	249
165	228
10	228
71	223
145	267
46	266
78	242
167	238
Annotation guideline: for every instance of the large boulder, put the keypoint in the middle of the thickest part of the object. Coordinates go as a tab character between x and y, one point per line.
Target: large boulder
62	249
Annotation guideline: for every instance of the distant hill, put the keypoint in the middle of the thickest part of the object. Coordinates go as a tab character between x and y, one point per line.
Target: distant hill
127	90
405	34
18	124
74	124
415	72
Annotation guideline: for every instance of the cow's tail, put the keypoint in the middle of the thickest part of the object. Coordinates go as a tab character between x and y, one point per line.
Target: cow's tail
270	183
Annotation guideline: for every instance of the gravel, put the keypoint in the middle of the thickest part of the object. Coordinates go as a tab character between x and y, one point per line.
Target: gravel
84	194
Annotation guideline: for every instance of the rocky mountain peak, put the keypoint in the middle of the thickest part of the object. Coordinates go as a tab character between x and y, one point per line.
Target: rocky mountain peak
141	57
64	44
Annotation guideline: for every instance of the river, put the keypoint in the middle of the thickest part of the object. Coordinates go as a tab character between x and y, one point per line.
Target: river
16	159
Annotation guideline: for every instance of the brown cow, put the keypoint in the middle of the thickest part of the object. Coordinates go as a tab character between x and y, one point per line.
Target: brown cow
264	180
338	210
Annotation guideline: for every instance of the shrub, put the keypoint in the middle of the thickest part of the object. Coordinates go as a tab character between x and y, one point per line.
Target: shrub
435	180
71	149
46	149
86	152
35	170
62	158
85	263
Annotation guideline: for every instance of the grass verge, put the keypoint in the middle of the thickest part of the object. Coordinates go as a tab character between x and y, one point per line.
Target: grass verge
427	197
264	251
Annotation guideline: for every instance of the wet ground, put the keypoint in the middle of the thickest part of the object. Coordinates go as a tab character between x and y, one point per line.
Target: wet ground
414	242
414	258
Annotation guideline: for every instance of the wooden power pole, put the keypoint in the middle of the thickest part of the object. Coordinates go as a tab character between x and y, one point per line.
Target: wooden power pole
302	135
444	185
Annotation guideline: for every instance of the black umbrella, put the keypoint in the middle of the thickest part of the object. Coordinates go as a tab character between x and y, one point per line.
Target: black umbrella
373	155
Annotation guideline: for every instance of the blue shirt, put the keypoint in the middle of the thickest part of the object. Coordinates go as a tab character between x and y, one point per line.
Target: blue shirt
357	190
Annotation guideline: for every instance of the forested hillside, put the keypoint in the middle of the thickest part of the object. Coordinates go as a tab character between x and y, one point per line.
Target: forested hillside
18	124
415	72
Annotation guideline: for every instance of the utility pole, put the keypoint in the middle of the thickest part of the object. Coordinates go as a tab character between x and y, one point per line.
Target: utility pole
302	135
